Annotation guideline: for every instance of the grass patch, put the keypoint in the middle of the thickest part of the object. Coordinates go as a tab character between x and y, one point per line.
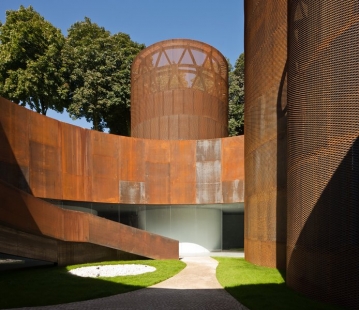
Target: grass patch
260	287
55	285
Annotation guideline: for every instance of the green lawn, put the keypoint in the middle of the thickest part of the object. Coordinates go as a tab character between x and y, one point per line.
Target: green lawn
260	287
54	285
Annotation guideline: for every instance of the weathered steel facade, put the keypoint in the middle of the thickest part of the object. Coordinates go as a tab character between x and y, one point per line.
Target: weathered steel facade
179	91
31	227
99	173
51	159
323	150
265	132
302	187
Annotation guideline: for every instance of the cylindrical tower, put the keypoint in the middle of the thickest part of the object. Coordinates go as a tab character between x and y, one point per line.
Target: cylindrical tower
323	150
265	132
179	91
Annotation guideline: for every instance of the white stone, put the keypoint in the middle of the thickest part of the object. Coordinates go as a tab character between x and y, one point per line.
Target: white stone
111	270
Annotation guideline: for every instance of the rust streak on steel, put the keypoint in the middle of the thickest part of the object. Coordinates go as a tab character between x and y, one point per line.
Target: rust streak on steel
65	162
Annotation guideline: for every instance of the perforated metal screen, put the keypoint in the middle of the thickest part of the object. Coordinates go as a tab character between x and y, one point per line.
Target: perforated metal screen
179	91
265	128
323	153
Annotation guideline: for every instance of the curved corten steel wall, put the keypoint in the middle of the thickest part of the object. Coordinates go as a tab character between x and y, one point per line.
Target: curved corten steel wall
51	159
265	127
323	156
179	91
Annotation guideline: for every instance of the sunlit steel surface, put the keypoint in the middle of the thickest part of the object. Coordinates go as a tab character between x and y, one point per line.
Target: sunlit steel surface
51	159
179	91
323	153
33	228
265	128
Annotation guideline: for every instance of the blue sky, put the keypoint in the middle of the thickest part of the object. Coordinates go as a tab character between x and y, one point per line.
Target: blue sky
218	23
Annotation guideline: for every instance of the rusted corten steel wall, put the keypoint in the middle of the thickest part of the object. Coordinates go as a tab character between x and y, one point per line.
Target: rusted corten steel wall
265	128
51	159
33	228
323	150
179	91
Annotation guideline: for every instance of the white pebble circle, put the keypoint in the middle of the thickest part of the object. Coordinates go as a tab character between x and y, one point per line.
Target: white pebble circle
111	270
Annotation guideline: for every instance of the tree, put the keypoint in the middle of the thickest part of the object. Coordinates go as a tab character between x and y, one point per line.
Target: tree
30	61
236	98
99	74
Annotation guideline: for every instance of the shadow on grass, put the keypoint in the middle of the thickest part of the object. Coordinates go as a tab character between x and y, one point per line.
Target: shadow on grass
40	286
259	287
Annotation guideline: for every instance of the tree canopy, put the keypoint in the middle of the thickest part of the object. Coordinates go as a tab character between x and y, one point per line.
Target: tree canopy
30	61
236	98
98	72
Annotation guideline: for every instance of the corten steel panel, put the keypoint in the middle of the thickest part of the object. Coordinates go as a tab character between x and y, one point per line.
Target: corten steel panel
22	244
208	171
104	145
157	170
69	253
14	133
157	173
14	145
208	150
157	151
132	192
183	172
73	149
177	70
85	165
132	159
26	213
265	127
79	223
45	170
104	154
233	191
76	183
45	156
44	130
131	240
323	150
233	158
32	217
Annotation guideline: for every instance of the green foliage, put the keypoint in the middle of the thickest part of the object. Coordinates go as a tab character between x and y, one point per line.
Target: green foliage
261	287
30	61
54	285
99	74
236	98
